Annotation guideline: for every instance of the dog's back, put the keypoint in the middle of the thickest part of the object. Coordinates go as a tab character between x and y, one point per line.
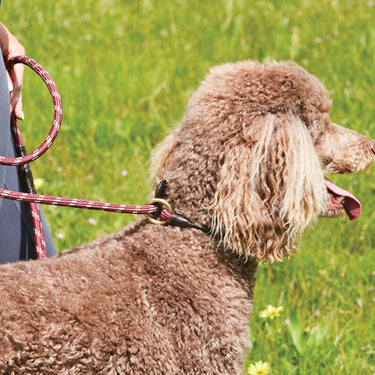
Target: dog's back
129	303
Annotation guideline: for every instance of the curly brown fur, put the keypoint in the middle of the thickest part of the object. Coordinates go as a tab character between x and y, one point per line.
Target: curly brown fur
127	304
262	141
248	162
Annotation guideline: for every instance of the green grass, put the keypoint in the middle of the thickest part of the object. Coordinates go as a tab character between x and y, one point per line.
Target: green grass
125	71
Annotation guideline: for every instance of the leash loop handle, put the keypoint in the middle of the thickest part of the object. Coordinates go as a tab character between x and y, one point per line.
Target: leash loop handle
57	118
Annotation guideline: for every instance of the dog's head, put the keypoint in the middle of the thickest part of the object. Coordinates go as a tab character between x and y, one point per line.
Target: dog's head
250	156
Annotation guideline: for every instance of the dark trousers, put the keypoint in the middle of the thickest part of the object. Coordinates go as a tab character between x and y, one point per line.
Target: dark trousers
16	231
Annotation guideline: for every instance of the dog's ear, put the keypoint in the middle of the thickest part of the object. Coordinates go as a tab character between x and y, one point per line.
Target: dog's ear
270	188
161	155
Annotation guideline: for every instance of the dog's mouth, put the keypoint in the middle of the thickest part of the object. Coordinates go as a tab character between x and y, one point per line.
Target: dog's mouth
341	199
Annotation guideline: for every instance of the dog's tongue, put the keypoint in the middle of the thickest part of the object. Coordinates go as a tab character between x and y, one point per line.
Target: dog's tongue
350	203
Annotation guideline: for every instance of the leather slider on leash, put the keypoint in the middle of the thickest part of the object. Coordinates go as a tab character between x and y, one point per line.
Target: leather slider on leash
24	173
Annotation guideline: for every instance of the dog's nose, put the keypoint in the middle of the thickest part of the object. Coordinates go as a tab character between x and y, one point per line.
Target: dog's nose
373	147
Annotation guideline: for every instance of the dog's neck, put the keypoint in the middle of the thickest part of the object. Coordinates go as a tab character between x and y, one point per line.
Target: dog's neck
178	219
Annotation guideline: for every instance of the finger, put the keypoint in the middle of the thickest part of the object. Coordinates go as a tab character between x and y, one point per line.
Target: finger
14	97
10	83
16	75
18	109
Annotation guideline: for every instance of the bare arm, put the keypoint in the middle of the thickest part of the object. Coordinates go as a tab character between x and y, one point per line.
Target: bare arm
10	47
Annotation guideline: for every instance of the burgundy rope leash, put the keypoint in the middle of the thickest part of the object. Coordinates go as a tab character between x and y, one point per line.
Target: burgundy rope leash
24	159
156	205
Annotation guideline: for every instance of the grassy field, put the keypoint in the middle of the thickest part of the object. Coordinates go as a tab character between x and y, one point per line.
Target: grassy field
125	70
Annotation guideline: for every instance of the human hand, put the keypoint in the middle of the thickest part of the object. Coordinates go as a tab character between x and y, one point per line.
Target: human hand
11	47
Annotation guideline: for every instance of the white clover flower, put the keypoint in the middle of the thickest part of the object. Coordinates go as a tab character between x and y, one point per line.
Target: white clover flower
92	221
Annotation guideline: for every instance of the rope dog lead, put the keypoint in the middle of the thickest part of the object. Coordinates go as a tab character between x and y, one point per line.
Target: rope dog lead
29	195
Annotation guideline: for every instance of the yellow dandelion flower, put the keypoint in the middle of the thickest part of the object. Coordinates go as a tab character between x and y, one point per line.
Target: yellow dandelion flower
259	368
38	182
271	312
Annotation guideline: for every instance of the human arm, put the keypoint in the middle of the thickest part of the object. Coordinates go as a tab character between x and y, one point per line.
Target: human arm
11	47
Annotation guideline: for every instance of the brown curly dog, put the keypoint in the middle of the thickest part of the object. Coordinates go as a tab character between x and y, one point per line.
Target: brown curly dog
247	162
